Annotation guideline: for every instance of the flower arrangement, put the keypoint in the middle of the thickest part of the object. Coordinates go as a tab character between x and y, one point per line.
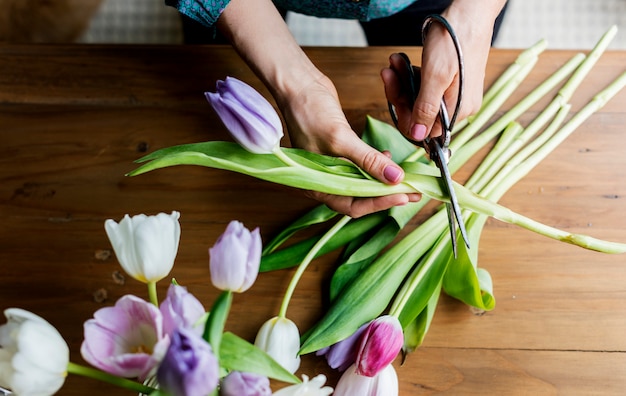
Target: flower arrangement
172	347
383	295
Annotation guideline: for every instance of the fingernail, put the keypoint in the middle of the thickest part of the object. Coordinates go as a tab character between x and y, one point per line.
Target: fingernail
418	132
392	173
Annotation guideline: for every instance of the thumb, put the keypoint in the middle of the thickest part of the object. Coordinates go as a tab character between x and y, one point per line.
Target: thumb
375	163
425	116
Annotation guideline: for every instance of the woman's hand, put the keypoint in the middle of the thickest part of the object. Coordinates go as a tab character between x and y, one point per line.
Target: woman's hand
307	99
473	23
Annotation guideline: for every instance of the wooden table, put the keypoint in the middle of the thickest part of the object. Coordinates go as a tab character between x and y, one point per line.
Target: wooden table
74	118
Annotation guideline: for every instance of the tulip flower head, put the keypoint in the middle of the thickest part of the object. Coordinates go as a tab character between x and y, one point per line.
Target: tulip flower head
343	354
189	368
238	383
380	344
33	355
181	309
279	337
235	258
385	383
127	339
145	246
249	117
314	387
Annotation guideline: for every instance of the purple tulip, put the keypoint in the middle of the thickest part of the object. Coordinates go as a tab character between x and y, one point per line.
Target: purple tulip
343	354
189	368
250	118
380	344
235	258
385	383
181	309
238	383
127	339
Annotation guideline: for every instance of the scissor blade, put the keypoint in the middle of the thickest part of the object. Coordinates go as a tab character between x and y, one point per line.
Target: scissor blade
451	227
445	174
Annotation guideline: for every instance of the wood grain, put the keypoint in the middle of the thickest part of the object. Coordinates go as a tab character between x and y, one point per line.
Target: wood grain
74	118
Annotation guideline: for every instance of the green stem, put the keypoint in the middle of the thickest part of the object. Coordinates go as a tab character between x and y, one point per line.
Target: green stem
99	375
285	158
152	293
305	262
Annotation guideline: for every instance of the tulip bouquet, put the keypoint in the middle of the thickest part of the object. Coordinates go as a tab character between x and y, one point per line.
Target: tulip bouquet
174	347
406	278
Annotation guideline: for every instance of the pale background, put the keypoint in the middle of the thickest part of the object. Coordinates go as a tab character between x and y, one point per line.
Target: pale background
565	24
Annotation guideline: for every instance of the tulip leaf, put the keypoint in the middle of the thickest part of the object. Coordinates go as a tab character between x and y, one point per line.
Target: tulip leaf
463	280
294	254
385	137
317	215
416	330
237	354
216	321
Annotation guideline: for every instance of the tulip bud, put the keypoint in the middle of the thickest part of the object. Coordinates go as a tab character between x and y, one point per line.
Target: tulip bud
279	337
189	367
385	383
181	309
33	355
380	344
235	258
249	117
145	246
343	354
238	383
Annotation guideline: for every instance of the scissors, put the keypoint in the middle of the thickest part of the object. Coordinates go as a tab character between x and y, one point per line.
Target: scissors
437	147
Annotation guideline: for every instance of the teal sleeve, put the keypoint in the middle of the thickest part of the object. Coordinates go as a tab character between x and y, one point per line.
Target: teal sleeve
204	11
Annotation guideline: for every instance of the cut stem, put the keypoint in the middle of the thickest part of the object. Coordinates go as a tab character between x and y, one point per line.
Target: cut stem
306	261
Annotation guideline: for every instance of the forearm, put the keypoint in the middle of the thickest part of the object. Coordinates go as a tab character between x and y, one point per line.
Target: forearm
261	37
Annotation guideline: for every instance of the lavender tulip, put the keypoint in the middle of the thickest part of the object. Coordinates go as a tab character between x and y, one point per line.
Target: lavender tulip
189	368
145	246
235	258
33	355
245	384
250	118
380	344
127	339
181	309
343	354
279	337
314	387
385	383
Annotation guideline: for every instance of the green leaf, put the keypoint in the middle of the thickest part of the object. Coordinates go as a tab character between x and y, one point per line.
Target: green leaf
216	321
317	215
368	295
293	255
385	137
238	354
415	331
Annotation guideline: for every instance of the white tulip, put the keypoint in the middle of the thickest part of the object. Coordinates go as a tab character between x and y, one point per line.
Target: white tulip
385	383
33	355
145	246
279	337
315	387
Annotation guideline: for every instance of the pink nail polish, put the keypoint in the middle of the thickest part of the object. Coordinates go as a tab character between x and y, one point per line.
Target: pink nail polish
392	173
418	132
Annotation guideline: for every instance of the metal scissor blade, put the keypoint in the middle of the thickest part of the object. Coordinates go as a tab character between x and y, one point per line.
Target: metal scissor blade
456	210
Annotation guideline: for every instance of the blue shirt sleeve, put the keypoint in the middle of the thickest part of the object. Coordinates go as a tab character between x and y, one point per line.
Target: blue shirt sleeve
204	11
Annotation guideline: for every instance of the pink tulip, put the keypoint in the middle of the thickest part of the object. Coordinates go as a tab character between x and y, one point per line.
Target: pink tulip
127	339
380	344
